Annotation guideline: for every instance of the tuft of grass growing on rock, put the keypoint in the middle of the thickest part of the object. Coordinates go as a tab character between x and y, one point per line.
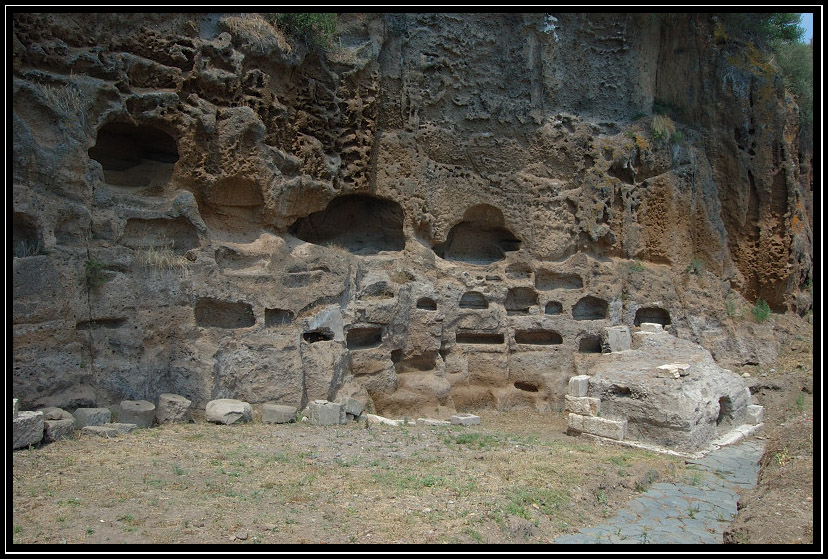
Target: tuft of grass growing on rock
259	34
761	311
163	259
66	99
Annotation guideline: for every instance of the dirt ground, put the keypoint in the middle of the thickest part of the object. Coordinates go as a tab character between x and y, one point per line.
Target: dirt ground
515	478
780	509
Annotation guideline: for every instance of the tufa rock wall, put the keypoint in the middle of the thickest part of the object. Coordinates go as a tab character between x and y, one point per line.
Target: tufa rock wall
442	212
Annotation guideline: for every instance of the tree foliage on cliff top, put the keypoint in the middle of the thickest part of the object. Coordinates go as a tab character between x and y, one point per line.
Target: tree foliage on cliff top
765	28
780	33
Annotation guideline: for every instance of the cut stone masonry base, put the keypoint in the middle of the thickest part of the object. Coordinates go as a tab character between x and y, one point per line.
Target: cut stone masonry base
578	386
583	406
609	428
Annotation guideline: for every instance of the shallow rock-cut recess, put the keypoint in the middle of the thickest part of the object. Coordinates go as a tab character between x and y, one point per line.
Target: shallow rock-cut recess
473	300
215	313
538	337
445	212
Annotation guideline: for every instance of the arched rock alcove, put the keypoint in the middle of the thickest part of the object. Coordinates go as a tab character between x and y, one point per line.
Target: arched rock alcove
134	156
655	315
480	238
358	223
590	308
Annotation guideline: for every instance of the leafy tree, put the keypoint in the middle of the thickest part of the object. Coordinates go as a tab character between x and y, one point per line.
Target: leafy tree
797	63
764	28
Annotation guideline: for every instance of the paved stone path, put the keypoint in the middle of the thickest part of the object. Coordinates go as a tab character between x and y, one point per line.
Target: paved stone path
695	512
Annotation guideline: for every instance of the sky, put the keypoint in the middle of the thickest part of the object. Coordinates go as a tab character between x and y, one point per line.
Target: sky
808	23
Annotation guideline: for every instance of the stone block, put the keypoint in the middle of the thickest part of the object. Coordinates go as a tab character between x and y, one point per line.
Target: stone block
106	431
432	422
353	407
578	386
228	411
139	412
27	429
651	327
58	429
276	413
755	414
617	338
322	412
15	402
582	406
123	428
609	428
52	413
464	419
91	417
173	408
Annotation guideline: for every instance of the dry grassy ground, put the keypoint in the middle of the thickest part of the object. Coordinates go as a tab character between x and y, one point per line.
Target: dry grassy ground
516	478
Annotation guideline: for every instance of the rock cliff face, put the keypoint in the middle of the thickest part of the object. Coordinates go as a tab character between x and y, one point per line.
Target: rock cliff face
441	213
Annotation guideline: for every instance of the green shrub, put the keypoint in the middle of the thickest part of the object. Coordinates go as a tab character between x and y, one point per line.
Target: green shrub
730	307
676	137
761	311
695	266
94	273
317	30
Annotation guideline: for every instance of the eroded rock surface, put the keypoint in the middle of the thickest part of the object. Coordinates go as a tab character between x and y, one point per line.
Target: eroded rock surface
443	212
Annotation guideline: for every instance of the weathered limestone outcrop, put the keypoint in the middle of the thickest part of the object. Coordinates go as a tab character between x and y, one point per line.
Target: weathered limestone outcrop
643	394
441	213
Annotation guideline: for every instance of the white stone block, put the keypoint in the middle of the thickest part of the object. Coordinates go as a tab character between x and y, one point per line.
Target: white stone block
578	386
609	428
755	414
618	338
582	406
651	327
464	419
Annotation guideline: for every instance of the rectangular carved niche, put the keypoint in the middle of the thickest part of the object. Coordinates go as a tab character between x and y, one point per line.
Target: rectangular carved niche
466	337
363	338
